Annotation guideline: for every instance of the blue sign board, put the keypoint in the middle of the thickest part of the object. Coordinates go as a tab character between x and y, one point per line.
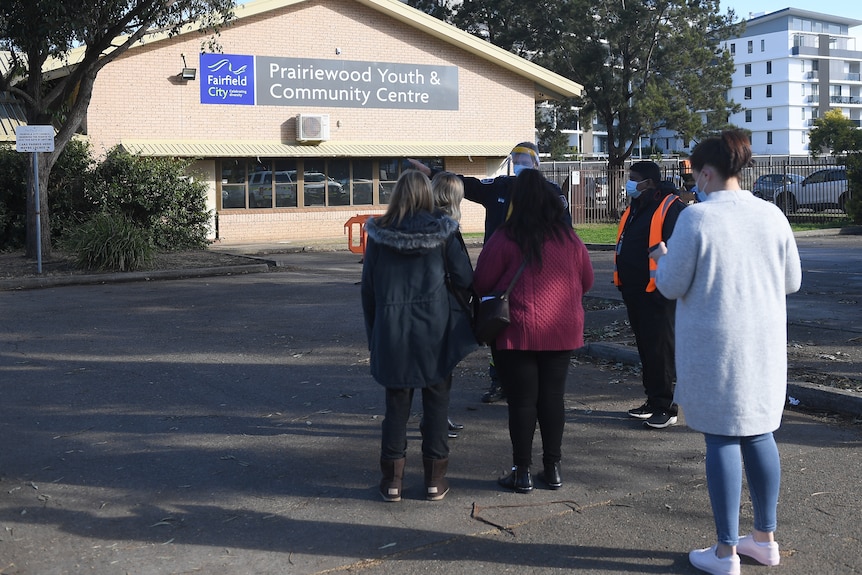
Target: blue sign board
275	81
227	79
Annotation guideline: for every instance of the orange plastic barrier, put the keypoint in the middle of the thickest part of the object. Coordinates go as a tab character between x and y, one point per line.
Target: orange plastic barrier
348	226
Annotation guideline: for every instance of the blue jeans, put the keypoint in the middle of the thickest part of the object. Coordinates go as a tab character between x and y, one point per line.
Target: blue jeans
434	424
724	458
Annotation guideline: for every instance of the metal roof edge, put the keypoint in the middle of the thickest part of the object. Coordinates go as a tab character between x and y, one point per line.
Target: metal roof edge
196	148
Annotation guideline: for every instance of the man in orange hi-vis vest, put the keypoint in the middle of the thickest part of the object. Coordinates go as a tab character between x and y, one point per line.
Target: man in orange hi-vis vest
649	220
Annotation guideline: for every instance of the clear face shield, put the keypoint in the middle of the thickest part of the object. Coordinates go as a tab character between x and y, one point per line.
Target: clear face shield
522	158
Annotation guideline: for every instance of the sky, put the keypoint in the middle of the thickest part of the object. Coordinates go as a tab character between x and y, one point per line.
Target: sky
846	8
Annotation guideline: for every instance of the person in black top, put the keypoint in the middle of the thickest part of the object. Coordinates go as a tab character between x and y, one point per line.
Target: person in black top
650	314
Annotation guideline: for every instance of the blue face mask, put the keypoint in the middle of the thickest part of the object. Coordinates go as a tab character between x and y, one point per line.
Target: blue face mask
518	168
701	196
632	189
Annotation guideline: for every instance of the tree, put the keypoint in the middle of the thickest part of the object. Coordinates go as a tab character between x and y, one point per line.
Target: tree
644	64
833	133
36	32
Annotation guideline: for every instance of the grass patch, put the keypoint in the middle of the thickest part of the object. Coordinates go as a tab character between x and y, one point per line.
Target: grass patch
808	226
597	233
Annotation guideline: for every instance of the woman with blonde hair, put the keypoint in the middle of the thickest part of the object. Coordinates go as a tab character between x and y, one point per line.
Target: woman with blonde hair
448	190
415	334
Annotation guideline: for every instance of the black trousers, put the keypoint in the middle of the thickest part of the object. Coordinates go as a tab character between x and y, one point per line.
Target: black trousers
434	424
651	316
535	386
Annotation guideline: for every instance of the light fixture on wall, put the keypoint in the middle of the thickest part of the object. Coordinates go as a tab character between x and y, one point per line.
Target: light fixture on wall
187	73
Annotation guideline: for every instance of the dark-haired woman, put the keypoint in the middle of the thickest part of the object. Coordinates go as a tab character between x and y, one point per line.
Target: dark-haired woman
730	264
417	334
547	320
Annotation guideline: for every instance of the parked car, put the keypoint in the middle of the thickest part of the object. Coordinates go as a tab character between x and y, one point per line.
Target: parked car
766	185
821	190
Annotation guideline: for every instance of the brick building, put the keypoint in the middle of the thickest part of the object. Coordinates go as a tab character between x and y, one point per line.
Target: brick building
305	117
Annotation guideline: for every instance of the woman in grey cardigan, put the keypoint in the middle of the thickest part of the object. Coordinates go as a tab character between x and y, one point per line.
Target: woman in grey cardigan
730	264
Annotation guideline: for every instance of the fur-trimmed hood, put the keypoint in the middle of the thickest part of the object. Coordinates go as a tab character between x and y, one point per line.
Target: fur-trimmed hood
417	233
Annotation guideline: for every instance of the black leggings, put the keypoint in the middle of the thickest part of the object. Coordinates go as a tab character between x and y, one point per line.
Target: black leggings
535	386
434	424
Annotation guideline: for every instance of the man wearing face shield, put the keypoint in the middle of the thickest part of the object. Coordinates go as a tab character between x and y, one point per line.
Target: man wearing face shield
649	219
495	195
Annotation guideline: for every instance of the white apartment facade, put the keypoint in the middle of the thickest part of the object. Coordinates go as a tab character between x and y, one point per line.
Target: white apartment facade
792	66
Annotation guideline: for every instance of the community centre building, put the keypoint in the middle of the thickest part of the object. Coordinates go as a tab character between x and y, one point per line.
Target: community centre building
306	116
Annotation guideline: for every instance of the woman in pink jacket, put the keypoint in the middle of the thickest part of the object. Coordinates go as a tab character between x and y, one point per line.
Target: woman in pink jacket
547	321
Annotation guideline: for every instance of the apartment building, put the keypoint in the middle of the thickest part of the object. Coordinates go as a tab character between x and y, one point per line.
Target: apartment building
792	66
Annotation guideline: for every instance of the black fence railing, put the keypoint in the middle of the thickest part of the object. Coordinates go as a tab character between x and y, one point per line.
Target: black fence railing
805	190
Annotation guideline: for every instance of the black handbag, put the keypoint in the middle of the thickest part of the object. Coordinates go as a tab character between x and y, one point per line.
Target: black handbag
493	315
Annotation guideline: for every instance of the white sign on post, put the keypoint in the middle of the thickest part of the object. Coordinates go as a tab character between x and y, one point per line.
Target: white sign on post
34	138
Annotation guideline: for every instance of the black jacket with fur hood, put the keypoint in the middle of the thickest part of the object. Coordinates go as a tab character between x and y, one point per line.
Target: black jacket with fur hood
417	331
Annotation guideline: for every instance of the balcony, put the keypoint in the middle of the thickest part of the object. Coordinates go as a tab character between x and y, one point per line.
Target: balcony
845	100
812	75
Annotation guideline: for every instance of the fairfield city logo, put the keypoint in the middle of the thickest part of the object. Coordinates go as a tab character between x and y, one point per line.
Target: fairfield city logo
227	79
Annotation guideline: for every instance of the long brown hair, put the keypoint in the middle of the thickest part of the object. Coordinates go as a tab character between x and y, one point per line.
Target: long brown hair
538	213
412	194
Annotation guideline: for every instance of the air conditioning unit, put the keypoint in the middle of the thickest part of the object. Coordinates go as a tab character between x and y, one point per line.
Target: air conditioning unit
312	127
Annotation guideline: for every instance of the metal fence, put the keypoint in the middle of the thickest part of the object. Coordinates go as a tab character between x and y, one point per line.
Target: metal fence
807	191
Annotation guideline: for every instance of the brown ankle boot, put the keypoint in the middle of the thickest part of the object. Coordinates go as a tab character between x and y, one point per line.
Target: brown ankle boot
390	483
436	484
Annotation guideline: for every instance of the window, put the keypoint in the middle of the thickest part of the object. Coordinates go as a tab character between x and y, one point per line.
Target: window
769	138
768	114
733	48
748	115
312	182
769	90
750	46
763	45
769	66
748	92
748	69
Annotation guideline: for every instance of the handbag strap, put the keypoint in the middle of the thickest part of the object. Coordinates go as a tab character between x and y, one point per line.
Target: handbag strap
448	278
515	279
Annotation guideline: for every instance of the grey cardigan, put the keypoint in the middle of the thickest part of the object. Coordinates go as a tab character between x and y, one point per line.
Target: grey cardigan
730	264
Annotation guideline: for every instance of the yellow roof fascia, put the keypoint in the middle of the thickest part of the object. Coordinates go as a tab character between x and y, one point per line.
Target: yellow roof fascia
225	149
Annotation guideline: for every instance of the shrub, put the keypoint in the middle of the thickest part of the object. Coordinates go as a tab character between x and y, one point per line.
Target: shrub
155	194
66	204
13	194
110	242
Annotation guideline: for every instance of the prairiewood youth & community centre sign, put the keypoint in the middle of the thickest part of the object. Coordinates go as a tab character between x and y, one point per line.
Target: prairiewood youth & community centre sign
272	81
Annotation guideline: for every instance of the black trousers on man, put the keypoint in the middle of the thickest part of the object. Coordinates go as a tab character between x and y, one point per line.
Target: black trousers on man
651	316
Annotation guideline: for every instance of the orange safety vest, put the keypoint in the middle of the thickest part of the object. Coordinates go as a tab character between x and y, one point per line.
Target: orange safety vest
655	238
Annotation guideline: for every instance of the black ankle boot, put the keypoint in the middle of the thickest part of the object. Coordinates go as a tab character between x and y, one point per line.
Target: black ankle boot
550	476
518	480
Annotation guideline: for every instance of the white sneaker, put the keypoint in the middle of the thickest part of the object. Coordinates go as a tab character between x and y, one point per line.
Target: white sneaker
706	560
763	553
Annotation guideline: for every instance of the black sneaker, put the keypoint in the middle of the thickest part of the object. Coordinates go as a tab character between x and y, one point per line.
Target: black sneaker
645	411
661	419
494	394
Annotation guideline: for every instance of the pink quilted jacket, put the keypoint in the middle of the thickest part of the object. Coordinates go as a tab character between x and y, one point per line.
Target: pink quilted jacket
545	304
